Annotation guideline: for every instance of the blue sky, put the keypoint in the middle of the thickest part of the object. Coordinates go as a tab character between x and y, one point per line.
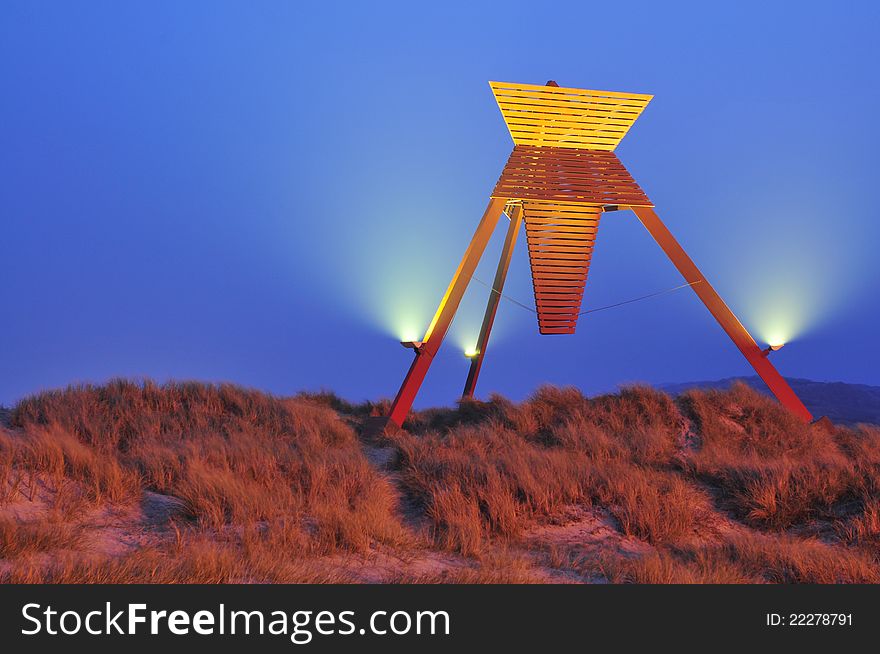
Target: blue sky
270	193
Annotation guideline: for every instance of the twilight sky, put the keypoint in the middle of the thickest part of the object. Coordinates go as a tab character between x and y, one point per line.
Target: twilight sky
275	193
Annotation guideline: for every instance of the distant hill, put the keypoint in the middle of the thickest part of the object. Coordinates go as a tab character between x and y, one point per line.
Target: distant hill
841	402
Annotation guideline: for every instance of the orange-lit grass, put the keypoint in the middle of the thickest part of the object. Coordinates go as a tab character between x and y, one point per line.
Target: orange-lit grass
499	467
754	558
266	489
771	469
234	457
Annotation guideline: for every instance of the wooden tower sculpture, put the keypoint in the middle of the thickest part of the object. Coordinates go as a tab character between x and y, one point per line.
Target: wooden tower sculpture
561	177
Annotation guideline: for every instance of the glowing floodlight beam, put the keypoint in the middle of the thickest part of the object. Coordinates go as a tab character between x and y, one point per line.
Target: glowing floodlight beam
472	353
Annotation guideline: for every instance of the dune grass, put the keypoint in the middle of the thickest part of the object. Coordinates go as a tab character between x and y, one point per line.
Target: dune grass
529	462
285	476
716	487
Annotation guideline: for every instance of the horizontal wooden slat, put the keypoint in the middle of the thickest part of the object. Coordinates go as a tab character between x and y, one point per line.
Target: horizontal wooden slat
562	275
548	137
563	90
564	297
583	247
543	107
546	233
572	223
572	227
563	121
548	252
559	278
559	267
566	310
570	102
540	142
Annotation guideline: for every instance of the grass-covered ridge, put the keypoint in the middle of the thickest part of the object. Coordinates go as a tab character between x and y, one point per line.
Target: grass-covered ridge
190	482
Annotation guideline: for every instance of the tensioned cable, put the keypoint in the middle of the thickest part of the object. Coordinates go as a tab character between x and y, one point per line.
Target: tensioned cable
607	306
506	297
643	297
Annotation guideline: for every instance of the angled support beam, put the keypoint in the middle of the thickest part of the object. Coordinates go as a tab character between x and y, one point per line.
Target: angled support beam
720	311
516	216
445	313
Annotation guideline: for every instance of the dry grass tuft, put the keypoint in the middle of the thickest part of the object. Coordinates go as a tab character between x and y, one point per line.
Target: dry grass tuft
235	458
24	538
771	469
198	560
745	559
500	467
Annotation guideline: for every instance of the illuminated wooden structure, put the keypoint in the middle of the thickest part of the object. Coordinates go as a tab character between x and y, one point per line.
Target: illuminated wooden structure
561	177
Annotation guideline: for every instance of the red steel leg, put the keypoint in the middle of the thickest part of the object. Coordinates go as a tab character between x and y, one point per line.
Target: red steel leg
725	317
494	298
445	312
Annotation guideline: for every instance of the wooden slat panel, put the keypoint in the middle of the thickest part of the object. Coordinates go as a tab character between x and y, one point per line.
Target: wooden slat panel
566	117
565	179
559	254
